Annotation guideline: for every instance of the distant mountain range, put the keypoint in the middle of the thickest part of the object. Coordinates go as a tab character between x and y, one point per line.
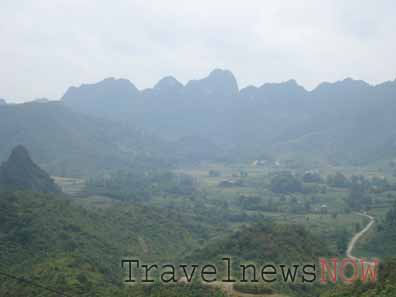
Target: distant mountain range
348	121
112	124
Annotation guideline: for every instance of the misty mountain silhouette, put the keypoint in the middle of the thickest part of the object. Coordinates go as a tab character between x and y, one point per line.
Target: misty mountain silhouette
69	143
110	97
168	84
111	123
349	119
219	82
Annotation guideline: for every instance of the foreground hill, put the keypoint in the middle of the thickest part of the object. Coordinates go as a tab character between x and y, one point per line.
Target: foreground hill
49	242
19	172
77	250
264	243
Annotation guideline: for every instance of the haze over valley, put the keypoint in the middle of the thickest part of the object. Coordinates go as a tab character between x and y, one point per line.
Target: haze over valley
197	149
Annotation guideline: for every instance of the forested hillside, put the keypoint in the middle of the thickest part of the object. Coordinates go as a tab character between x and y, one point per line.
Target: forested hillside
264	243
77	250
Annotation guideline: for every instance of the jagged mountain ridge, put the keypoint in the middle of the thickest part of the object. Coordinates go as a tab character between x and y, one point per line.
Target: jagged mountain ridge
349	119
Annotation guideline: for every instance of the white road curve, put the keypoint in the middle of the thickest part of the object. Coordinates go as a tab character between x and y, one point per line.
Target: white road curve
359	235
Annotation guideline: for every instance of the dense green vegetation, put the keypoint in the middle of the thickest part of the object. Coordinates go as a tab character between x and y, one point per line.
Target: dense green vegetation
286	183
277	199
385	233
78	250
263	243
73	247
20	173
256	213
194	172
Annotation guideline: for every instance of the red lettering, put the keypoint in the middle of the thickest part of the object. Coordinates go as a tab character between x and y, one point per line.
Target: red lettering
326	267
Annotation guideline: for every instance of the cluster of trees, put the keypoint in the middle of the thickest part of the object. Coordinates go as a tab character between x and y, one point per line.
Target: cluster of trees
359	188
337	180
214	173
359	197
374	184
286	182
312	177
263	243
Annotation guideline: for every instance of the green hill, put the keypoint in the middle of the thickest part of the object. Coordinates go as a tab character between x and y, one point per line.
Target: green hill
264	243
19	172
77	250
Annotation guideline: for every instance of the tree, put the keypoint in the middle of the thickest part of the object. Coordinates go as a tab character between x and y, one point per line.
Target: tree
312	177
338	180
286	183
358	197
214	173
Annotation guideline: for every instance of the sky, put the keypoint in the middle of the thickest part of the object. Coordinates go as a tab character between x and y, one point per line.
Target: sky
48	45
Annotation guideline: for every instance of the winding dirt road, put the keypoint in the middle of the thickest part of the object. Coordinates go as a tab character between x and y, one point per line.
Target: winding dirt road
228	288
357	236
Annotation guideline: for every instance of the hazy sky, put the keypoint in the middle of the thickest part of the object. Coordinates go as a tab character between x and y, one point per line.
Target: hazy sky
48	45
